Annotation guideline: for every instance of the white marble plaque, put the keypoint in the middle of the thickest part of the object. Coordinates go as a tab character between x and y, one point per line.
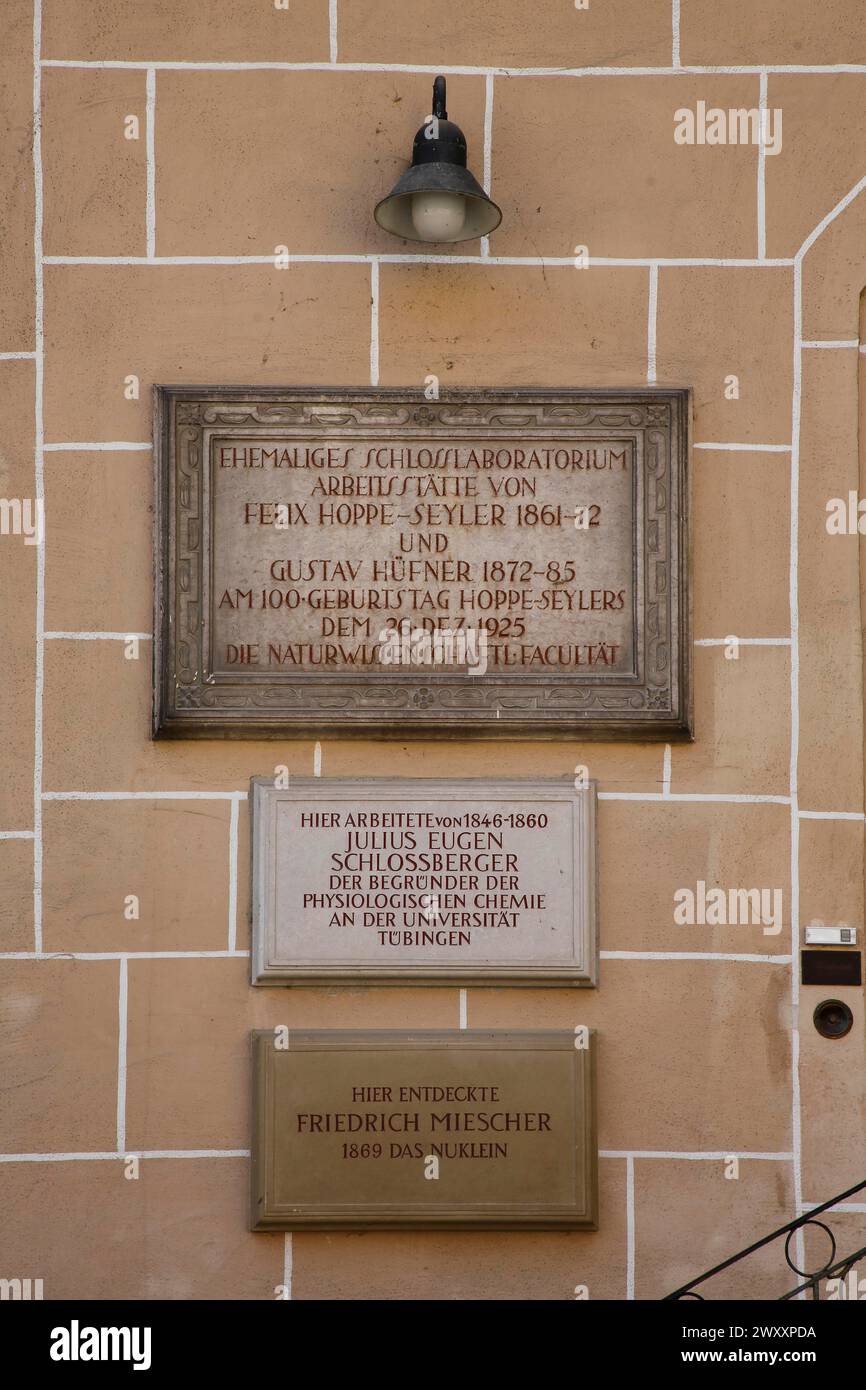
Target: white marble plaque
440	882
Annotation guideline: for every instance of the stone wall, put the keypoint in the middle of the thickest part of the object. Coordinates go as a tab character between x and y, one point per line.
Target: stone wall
260	127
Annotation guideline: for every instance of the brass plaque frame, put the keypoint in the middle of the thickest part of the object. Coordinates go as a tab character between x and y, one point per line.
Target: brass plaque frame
651	702
575	1167
577	919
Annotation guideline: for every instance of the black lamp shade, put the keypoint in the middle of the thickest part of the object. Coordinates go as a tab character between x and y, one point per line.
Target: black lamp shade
438	168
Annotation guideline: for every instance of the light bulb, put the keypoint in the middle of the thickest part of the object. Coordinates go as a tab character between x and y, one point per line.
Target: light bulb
438	216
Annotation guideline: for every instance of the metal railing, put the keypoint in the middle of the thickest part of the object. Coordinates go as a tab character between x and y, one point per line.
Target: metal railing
831	1269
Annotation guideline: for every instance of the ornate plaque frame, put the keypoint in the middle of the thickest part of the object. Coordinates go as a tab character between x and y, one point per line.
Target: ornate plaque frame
653	702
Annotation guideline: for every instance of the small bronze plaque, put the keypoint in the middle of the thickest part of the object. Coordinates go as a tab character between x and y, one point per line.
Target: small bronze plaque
423	881
424	1131
495	564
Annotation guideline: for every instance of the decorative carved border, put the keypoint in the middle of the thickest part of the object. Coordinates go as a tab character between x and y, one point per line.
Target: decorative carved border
655	705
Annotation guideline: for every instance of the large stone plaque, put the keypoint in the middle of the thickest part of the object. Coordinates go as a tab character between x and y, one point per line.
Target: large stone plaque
422	1131
423	881
495	564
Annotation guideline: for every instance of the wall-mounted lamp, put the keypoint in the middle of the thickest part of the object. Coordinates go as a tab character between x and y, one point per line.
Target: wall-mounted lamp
437	199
